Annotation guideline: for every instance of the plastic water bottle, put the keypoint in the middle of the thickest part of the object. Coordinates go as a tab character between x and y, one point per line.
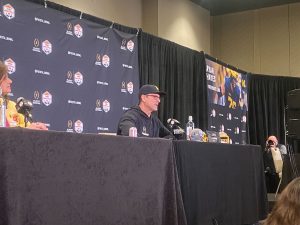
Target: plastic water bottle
2	110
189	127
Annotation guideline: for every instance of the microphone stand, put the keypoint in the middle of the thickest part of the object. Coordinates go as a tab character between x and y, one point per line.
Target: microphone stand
28	117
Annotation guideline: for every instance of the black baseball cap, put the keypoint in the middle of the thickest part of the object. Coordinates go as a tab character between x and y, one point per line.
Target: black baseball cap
150	89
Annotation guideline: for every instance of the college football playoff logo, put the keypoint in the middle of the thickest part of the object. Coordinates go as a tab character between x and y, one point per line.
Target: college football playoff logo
70	124
36	43
78	31
130	45
130	87
11	65
105	60
36	95
78	78
47	47
106	105
8	11
47	98
78	126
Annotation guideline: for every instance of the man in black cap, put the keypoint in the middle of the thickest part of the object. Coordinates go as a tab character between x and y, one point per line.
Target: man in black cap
141	116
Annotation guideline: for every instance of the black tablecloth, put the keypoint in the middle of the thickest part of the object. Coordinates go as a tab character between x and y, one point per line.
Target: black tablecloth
56	178
222	182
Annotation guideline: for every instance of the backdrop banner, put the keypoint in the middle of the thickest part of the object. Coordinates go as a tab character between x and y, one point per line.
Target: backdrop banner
227	101
80	75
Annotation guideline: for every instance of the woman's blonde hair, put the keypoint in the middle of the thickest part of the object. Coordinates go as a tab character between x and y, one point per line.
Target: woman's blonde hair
3	70
286	210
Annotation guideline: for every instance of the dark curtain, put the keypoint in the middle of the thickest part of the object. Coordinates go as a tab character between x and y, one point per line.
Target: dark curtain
180	72
267	103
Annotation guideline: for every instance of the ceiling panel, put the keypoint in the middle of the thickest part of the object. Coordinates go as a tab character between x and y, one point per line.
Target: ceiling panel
220	7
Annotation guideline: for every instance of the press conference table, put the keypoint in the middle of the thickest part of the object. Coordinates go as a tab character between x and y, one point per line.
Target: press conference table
221	182
58	178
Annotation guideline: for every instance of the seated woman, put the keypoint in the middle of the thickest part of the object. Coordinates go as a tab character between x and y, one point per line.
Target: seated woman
13	118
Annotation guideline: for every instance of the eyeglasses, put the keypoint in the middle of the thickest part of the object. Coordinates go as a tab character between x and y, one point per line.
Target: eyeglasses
154	96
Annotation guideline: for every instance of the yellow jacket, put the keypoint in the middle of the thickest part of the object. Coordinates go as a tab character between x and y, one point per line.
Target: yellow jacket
14	119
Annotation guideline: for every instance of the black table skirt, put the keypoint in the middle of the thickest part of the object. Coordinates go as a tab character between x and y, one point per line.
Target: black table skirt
221	182
57	178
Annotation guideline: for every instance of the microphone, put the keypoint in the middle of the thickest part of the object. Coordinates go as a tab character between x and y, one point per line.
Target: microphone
172	121
176	130
24	107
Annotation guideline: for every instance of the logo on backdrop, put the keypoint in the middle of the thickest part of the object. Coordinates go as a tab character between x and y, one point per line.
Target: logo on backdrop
69	79
244	119
229	117
40	20
106	61
11	65
47	98
36	45
78	126
78	31
69	29
78	78
102	38
70	126
127	45
41	72
8	11
130	45
213	113
123	88
102	129
130	87
36	98
98	106
106	105
104	83
127	88
98	60
6	38
47	47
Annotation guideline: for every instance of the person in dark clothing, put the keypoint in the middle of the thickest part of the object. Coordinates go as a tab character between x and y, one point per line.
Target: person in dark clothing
141	116
272	177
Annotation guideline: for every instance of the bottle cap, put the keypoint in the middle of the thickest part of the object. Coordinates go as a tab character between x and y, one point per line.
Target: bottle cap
190	118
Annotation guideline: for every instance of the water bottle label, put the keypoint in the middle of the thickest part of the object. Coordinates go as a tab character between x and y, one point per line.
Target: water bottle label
188	132
2	113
